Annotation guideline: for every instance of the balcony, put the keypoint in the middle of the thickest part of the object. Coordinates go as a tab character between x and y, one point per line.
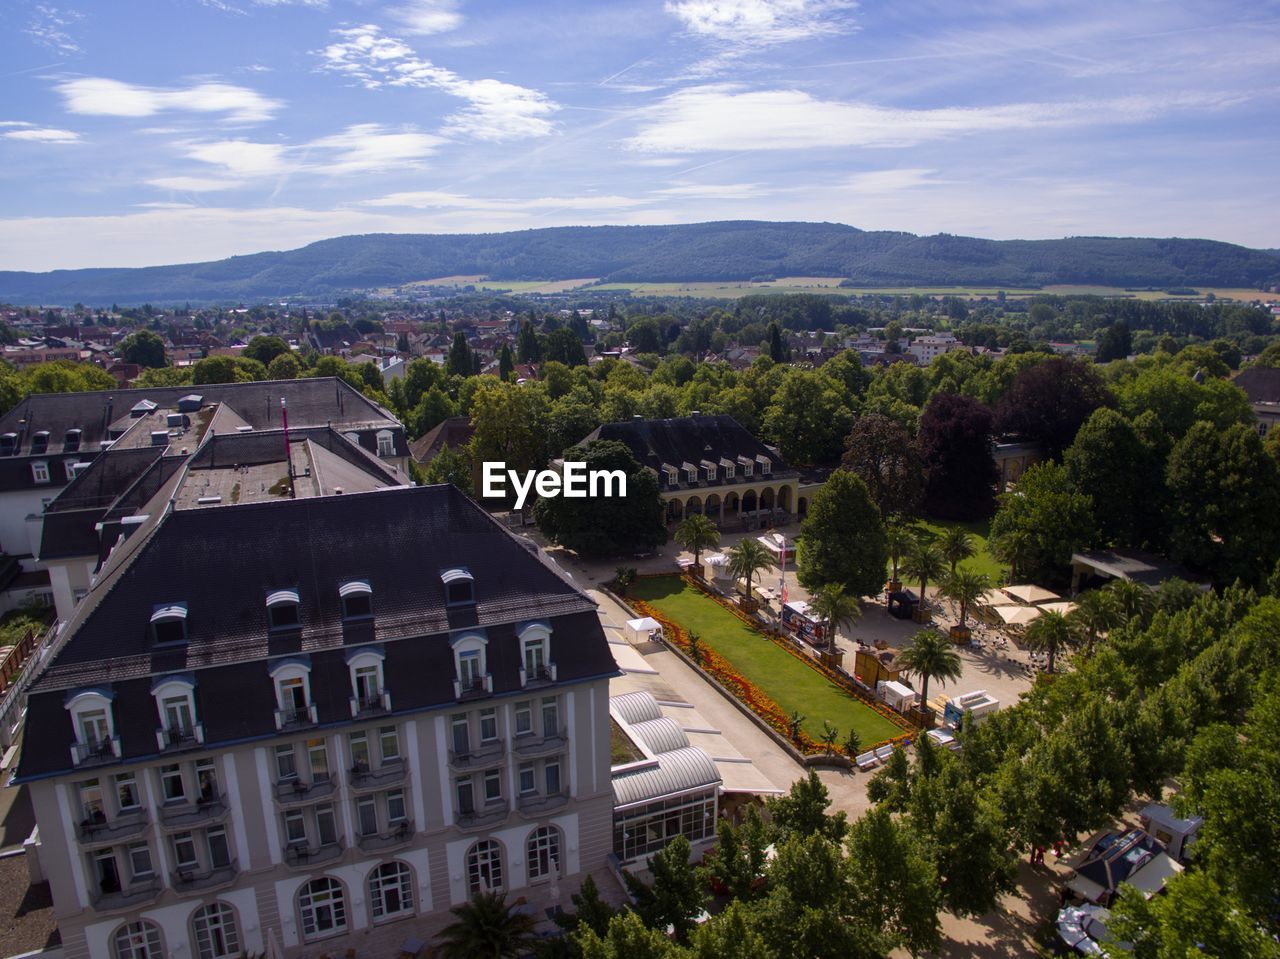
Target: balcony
300	855
135	894
293	718
479	817
95	751
536	804
474	688
485	754
180	738
401	835
388	774
376	705
539	676
203	812
96	829
293	791
530	746
196	880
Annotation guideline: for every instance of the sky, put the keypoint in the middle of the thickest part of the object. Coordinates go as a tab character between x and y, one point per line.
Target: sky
139	132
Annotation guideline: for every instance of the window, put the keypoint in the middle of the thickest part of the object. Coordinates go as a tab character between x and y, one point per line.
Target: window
216	935
524	718
673	475
766	465
466	796
493	785
470	671
367	692
206	780
127	797
461	735
40	472
177	714
550	716
484	867
367	816
357	599
326	825
488	725
386	443
172	788
396	806
286	763
137	940
552	773
283	609
295	827
543	852
528	782
728	469
91	806
390	890
458	586
323	907
108	874
219	848
535	658
169	624
691	473
359	743
139	861
318	759
93	727
389	743
294	706
184	850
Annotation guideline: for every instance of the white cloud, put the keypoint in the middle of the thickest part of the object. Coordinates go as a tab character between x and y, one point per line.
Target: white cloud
759	23
100	96
366	147
241	158
424	17
49	27
194	184
722	117
717	191
431	199
495	111
42	134
886	181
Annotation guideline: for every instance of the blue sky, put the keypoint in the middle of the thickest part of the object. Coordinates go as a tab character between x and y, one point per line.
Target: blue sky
135	132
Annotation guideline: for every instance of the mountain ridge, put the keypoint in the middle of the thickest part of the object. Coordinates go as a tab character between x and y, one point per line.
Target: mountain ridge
719	250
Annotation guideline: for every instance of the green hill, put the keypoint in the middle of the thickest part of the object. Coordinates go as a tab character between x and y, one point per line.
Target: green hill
730	250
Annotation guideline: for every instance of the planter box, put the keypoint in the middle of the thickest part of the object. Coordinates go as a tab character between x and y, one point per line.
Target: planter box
960	634
922	614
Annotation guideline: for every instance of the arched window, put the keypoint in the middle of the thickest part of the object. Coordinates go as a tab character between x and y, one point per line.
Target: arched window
484	867
543	852
391	890
137	940
216	933
323	906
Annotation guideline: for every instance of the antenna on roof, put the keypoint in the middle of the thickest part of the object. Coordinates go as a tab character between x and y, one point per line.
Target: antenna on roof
288	460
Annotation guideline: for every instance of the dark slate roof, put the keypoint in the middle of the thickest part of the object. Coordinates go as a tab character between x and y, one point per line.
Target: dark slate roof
453	432
222	563
1117	856
1260	383
691	439
1133	564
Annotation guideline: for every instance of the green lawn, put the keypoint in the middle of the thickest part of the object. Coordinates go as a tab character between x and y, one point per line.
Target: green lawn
982	561
778	674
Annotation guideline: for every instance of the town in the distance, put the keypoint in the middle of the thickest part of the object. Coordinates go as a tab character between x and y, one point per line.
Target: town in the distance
915	622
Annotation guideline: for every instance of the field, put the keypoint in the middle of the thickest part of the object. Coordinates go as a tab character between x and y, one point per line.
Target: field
778	674
982	561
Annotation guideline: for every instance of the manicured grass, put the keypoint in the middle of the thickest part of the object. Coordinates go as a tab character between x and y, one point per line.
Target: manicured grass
982	561
778	674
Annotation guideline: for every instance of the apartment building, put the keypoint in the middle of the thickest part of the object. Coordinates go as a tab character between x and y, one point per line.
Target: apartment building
312	725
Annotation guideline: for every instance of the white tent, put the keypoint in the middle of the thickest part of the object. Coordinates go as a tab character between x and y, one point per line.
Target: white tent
643	630
1062	607
1032	594
996	597
1017	615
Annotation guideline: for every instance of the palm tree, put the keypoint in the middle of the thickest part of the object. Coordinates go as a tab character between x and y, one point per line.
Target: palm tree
1014	548
1050	633
1097	611
695	534
965	587
930	656
956	545
835	606
486	928
899	536
829	736
1134	599
794	722
924	563
748	558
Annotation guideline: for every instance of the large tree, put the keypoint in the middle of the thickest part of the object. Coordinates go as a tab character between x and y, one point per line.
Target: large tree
1048	402
510	424
459	361
677	894
606	526
880	452
144	348
1053	518
696	533
1124	476
808	419
842	539
931	655
264	349
955	445
486	926
1225	493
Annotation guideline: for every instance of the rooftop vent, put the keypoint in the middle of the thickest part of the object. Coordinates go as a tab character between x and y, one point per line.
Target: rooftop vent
159	437
244	429
190	403
142	408
208	500
176	421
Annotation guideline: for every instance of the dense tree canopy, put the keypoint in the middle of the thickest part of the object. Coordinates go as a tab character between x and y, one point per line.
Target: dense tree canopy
1047	403
842	539
1052	519
881	453
955	446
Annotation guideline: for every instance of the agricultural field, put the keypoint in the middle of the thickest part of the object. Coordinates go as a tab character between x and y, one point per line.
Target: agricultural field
779	675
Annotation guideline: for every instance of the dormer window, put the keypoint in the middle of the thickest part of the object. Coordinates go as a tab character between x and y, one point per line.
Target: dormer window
282	609
747	466
535	653
369	693
766	464
169	624
691	472
459	587
471	665
673	475
40	472
72	442
728	466
175	702
8	444
40	442
357	599
292	679
94	725
386	443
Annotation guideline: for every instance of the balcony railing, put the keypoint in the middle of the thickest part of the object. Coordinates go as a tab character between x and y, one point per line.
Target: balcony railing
473	688
399	835
201	880
535	804
95	751
482	755
97	828
301	855
134	894
203	812
540	745
180	737
539	675
294	717
388	774
479	816
296	791
375	705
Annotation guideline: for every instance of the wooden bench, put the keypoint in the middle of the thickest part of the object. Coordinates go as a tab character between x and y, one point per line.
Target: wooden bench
866	760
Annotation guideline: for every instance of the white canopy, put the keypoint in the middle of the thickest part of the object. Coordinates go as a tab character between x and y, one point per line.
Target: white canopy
1032	594
996	597
1062	607
1017	615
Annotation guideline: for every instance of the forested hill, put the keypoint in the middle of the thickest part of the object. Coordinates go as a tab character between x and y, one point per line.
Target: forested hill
732	250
